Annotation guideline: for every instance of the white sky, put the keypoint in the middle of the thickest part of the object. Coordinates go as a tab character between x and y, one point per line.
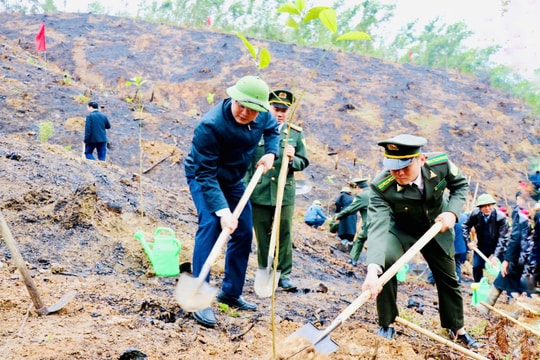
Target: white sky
517	30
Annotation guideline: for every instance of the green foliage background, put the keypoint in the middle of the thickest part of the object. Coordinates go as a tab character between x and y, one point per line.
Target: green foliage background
436	44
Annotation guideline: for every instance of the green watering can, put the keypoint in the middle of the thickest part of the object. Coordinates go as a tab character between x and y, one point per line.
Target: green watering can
162	252
480	291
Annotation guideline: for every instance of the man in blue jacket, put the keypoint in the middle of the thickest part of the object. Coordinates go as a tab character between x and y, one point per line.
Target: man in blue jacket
222	148
95	134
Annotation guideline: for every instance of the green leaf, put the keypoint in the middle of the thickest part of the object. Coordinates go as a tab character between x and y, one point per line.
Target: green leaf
264	58
329	19
289	9
292	23
354	35
313	13
248	45
300	5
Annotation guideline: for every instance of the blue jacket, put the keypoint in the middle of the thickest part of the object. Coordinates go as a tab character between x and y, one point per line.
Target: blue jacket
314	213
222	149
95	127
459	241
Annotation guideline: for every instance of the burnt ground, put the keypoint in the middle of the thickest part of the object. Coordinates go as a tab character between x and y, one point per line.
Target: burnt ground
74	220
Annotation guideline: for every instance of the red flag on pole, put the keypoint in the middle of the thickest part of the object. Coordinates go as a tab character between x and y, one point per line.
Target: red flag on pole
40	39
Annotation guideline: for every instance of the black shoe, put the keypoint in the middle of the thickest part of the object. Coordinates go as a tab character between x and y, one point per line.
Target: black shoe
235	302
286	285
386	332
205	317
466	339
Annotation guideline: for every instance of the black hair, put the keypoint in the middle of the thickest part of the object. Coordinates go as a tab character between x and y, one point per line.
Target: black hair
93	104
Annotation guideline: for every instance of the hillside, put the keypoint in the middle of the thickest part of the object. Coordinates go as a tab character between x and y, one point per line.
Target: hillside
74	220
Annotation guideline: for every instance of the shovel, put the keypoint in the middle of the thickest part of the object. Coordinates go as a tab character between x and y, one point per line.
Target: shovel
492	270
266	279
41	309
194	294
319	338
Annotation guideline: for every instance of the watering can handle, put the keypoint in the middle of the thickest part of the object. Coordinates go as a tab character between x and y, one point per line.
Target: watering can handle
164	229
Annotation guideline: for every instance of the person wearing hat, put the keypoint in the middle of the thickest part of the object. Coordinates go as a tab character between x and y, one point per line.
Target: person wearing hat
292	149
360	204
515	276
491	228
347	223
223	145
314	215
406	199
95	132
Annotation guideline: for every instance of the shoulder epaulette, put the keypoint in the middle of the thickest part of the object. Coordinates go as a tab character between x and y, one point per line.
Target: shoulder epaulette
385	183
438	159
296	127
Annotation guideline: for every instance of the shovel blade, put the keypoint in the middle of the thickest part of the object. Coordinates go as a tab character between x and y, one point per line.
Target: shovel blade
192	294
323	345
62	302
266	282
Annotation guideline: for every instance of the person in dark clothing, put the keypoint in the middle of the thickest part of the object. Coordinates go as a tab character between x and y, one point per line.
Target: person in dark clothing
222	148
95	132
347	224
516	255
359	204
491	228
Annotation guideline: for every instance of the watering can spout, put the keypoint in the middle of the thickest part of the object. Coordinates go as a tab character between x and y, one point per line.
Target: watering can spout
139	235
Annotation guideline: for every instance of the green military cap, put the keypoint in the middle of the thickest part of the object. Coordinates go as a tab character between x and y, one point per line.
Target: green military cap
346	189
485	199
400	150
360	182
281	98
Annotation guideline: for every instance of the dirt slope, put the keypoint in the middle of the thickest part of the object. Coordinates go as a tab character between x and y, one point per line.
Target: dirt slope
74	220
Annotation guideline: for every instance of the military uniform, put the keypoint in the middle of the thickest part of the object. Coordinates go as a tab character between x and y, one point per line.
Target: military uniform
400	215
263	198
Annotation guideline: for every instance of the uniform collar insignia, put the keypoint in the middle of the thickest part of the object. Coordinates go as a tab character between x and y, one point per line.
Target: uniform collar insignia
399	188
432	174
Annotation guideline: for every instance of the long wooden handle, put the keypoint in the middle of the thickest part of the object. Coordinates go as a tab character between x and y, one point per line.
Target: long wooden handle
225	233
476	250
282	179
21	265
440	339
384	278
495	310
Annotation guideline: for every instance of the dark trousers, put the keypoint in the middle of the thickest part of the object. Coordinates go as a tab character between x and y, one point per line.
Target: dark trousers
238	246
444	273
101	148
263	218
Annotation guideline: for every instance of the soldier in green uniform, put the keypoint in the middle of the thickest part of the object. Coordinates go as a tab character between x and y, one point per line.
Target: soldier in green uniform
406	200
360	203
263	200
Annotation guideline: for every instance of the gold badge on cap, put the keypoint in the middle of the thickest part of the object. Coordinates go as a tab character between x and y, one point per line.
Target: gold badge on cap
282	95
392	147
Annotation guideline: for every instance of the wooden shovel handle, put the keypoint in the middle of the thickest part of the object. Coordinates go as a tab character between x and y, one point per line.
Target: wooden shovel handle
481	254
440	339
385	277
21	265
517	322
282	179
225	233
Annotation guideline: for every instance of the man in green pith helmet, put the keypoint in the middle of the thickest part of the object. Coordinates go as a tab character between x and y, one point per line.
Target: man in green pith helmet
406	200
292	148
360	203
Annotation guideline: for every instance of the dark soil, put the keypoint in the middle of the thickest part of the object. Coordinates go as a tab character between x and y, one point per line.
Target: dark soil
74	219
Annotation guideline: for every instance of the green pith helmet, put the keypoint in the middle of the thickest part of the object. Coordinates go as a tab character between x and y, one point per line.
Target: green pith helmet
251	92
485	199
317	202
